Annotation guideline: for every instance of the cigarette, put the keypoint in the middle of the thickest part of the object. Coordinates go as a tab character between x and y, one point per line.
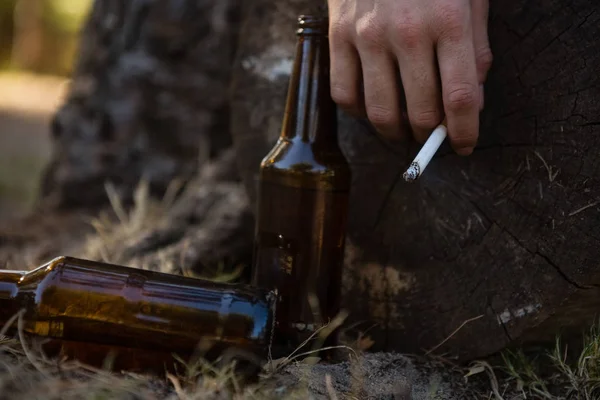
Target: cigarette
426	153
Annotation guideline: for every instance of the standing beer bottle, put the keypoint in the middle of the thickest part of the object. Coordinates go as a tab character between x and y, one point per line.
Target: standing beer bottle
92	310
303	199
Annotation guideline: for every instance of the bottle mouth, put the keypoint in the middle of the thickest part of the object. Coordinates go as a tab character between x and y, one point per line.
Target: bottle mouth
312	25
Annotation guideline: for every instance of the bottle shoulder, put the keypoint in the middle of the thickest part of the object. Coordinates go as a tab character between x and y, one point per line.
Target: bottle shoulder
36	276
306	165
304	157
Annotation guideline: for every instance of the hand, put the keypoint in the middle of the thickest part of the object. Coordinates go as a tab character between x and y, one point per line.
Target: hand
439	50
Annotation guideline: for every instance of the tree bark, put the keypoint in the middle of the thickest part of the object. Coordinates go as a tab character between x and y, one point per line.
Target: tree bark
482	250
147	100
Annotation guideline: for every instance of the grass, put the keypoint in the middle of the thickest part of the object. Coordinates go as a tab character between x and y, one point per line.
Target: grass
113	236
558	375
551	373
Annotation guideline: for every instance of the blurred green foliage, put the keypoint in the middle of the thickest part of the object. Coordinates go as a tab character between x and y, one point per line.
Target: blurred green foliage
41	35
67	15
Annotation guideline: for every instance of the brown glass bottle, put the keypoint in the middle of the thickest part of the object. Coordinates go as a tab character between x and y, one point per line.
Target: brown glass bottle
303	199
90	308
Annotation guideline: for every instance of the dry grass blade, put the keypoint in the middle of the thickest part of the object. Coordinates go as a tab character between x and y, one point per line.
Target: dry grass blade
113	237
307	353
177	385
171	193
322	331
483	366
115	202
140	210
330	389
452	334
26	348
9	323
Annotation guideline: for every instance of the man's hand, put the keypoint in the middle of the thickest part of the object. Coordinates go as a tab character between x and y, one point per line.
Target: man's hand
435	51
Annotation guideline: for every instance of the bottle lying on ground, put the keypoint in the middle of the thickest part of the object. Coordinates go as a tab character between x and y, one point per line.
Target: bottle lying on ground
303	195
141	317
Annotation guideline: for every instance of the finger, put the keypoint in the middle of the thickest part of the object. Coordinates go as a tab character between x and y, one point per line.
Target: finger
380	79
345	74
481	44
420	80
460	88
381	94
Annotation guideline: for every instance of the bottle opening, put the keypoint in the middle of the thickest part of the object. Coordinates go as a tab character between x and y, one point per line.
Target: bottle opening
312	25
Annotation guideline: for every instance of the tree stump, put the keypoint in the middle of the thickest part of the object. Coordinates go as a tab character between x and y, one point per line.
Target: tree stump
482	250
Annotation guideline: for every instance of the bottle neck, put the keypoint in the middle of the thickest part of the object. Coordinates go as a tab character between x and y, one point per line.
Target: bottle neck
9	289
310	113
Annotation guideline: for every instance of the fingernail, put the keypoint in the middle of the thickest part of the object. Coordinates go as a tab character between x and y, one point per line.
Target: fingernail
481	97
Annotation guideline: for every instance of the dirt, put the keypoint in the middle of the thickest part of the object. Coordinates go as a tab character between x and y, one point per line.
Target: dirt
375	376
380	376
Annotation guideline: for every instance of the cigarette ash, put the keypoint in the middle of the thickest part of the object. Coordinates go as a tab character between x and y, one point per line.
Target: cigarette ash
412	173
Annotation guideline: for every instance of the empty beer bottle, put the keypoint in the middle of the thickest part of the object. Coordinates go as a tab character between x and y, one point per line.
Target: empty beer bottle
141	317
303	198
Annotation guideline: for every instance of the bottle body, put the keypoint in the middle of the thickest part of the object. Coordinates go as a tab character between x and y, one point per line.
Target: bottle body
80	301
303	194
299	252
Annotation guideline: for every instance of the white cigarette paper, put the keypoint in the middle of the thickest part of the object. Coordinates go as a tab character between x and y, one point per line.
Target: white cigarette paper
426	153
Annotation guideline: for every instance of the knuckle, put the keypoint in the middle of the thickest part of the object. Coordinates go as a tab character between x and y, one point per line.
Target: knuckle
407	34
369	32
461	97
381	116
343	96
484	59
452	20
425	118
